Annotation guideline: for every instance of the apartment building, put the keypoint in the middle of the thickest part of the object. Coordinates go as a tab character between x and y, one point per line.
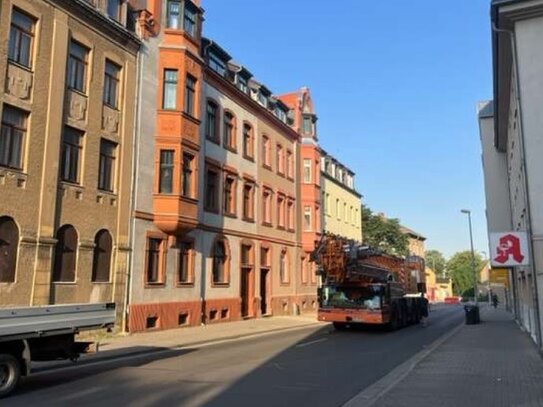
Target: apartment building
216	234
342	203
67	108
309	190
510	130
415	242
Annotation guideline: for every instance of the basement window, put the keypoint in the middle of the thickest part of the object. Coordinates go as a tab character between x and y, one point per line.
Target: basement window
213	314
224	313
151	322
183	319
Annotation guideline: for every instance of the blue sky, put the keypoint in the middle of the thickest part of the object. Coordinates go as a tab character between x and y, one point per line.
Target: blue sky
395	84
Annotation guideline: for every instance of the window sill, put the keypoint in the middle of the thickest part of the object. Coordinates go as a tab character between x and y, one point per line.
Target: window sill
116	108
268	167
250	220
18	65
267	224
230	215
231	149
211	210
220	285
155	285
214	140
249	158
290	178
281	228
189	199
185	285
190	117
106	192
69	184
101	282
5	169
281	174
65	282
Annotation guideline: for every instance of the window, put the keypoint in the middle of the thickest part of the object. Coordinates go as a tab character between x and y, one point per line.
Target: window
262	99
266	209
229	138
281	115
111	83
114	9
21	37
304	267
174	12
283	267
337	208
307	218
106	171
281	211
216	64
186	263
65	254
229	201
71	152
318	219
77	67
345	214
280	160
290	165
189	21
307	170
9	245
212	190
307	125
165	182
248	144
266	151
190	91
290	214
220	263
101	265
248	201
212	122
154	261
169	98
12	136
187	186
242	84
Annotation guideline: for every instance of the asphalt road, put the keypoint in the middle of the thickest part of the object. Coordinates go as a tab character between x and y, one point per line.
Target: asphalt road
311	367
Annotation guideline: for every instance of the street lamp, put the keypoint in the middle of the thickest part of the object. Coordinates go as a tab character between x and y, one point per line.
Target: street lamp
468	212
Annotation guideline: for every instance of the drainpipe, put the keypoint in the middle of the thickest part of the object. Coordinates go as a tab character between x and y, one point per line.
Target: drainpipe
133	189
524	170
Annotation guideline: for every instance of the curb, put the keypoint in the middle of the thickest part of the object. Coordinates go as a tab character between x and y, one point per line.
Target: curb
120	355
370	395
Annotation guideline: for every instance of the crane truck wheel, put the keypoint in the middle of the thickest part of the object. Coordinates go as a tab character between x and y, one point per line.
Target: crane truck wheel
340	326
394	322
10	373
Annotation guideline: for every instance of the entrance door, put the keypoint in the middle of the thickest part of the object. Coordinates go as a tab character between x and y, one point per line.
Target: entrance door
245	278
264	291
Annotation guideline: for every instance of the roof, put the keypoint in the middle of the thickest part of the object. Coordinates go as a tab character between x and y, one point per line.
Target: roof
411	232
289	99
485	109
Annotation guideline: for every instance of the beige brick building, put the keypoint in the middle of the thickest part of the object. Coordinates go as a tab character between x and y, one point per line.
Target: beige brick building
67	108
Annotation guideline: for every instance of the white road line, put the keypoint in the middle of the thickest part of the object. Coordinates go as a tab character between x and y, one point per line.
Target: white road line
301	345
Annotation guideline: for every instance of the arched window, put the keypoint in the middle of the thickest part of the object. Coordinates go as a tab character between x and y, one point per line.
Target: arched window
283	267
65	254
9	244
220	262
101	265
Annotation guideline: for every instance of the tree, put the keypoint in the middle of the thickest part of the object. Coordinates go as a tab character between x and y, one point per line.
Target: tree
382	233
460	270
436	261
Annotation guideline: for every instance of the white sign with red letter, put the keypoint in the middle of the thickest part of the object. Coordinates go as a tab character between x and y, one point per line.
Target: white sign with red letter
509	249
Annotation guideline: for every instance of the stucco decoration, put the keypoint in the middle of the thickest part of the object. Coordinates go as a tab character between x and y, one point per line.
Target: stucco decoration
110	120
77	106
19	82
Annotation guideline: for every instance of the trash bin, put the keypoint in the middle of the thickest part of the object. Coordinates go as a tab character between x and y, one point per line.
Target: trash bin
472	314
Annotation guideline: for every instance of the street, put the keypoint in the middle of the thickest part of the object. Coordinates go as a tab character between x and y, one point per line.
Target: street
313	367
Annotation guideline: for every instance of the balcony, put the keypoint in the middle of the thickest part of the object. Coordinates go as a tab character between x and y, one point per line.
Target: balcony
174	214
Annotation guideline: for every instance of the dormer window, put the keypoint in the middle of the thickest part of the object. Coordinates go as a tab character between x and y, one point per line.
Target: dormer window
307	125
263	100
114	9
216	64
242	84
280	113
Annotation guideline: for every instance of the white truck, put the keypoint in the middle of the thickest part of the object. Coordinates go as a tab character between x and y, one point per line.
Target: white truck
45	333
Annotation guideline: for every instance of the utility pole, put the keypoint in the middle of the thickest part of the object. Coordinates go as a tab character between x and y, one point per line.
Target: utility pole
468	212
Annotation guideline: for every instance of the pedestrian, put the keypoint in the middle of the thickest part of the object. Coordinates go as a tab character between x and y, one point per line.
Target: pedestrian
424	311
495	300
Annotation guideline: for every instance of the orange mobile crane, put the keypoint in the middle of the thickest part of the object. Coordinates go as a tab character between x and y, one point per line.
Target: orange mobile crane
361	285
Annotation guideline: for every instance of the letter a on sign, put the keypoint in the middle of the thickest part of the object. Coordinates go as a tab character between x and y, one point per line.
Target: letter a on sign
509	249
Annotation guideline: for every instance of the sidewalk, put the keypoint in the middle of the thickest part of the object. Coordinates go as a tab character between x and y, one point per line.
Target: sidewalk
122	345
490	364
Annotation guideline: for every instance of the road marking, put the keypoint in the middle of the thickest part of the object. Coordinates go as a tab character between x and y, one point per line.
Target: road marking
301	345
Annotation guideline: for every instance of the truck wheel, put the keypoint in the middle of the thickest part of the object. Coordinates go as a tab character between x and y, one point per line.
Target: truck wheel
10	373
340	326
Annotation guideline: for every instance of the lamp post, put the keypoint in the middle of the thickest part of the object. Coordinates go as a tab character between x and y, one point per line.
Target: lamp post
468	212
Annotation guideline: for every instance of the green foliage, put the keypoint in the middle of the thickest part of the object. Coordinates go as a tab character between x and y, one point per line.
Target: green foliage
436	261
460	269
382	233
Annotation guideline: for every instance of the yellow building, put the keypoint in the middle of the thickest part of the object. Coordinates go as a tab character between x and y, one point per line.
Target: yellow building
415	241
342	203
437	289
